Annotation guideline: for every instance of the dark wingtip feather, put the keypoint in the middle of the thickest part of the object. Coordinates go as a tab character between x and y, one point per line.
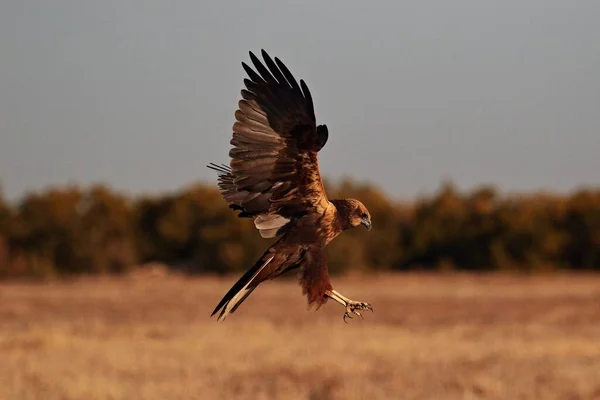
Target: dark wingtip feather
305	90
246	67
264	72
253	75
286	72
221	169
308	97
254	59
274	69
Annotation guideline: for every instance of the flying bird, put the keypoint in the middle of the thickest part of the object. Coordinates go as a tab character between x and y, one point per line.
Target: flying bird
273	177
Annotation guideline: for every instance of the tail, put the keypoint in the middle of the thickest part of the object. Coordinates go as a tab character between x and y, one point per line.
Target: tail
242	288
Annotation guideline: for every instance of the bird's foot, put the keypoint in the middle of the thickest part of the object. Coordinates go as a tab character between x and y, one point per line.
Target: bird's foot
352	307
355	307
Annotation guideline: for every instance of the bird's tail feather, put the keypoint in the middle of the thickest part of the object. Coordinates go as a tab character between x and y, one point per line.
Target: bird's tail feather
241	289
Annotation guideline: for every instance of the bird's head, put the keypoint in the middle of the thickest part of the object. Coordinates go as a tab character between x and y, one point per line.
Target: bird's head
358	214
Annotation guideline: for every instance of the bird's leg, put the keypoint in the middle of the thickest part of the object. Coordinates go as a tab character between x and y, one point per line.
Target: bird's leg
352	307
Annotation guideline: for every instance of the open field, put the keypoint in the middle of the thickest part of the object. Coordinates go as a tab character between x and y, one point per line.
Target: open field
444	337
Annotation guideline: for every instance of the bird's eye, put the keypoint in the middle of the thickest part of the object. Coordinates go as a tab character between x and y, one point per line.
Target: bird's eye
363	215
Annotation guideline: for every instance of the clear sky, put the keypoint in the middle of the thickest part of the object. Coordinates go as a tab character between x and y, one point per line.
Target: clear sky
140	95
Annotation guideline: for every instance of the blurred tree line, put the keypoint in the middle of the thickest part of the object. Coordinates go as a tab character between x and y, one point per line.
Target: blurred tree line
70	230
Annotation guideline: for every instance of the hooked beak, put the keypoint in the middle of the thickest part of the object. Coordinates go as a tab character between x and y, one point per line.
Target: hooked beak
366	223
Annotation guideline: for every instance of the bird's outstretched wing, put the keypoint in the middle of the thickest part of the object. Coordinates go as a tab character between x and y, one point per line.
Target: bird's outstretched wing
274	174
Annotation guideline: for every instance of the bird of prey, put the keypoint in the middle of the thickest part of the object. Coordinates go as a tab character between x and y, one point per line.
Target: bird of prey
274	178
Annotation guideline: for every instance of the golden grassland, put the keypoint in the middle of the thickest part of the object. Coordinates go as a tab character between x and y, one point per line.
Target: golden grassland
430	337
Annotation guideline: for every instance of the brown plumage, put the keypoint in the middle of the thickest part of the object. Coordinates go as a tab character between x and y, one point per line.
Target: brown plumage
274	178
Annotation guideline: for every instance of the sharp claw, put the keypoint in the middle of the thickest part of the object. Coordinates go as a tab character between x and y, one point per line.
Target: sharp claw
347	315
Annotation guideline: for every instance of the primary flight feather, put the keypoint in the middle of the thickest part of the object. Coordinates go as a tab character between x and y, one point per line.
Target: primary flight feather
273	177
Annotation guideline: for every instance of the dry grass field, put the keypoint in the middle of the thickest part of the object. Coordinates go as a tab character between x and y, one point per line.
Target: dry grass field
430	337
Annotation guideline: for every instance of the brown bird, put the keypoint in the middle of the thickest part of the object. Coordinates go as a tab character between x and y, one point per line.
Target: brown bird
274	178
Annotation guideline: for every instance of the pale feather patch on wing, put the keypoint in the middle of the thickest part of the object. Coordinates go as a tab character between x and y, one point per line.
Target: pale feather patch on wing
269	224
241	294
268	233
270	221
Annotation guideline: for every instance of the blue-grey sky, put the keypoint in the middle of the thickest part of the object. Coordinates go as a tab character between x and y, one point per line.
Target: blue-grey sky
140	95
